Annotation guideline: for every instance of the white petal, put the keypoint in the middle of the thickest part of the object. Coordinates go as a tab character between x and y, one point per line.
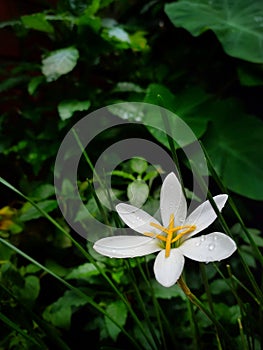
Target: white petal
126	246
137	219
168	270
204	215
172	201
207	248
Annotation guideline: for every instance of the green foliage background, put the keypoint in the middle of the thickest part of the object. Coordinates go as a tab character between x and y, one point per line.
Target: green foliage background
205	60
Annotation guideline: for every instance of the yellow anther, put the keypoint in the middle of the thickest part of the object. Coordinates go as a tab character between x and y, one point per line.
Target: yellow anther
180	235
170	232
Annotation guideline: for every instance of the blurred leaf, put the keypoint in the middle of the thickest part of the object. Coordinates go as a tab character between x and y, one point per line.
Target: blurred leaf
234	144
5	252
30	291
37	21
84	271
138	165
237	24
138	41
42	192
67	108
11	82
59	62
29	212
118	311
250	76
188	105
34	83
167	293
219	286
138	192
59	313
56	268
122	174
124	86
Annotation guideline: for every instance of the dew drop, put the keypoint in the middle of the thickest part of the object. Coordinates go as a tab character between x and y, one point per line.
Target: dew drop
197	244
211	246
215	238
202	238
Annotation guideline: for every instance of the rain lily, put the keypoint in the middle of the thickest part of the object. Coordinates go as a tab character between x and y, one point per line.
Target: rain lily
174	238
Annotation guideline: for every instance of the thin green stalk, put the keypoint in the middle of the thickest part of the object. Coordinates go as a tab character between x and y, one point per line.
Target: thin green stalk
69	286
245	342
101	209
243	338
193	324
82	250
233	207
51	332
16	328
171	142
155	303
210	300
142	305
238	282
158	307
202	308
228	231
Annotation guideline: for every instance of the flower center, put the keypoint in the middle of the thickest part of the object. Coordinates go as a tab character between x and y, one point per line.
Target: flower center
170	231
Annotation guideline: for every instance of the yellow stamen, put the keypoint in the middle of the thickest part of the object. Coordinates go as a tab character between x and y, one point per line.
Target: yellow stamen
180	235
169	240
150	234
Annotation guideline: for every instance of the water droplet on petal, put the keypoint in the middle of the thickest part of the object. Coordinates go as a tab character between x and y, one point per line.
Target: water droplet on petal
198	244
211	246
202	238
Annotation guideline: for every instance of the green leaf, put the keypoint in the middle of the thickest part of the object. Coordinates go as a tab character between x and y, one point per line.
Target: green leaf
118	311
167	293
37	21
29	212
238	25
59	313
189	105
250	76
59	62
84	271
139	165
67	108
234	144
42	192
138	192
34	83
31	289
122	174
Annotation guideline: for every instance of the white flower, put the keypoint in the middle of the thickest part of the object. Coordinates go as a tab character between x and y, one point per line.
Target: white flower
174	239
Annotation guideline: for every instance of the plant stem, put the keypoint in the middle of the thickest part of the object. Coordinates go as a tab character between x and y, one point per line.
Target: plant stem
81	249
201	306
209	299
74	289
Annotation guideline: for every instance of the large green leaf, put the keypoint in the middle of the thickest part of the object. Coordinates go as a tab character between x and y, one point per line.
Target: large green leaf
59	62
234	144
118	311
189	105
238	25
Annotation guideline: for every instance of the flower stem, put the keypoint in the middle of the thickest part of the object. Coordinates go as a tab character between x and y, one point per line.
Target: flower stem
209	299
201	307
